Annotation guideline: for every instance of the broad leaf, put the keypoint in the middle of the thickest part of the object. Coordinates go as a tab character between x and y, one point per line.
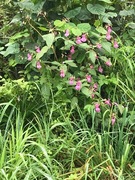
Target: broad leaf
84	27
70	63
42	52
85	91
96	9
72	13
49	38
92	56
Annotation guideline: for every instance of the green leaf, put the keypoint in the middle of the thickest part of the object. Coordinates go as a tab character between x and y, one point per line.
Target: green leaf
49	38
106	46
106	1
12	49
84	27
72	13
45	91
121	108
92	56
70	63
74	102
59	23
85	91
84	46
101	30
76	31
96	9
42	52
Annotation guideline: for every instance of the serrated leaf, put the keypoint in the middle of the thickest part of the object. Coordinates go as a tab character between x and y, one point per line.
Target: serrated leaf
74	102
92	56
84	46
106	46
84	27
96	9
49	38
42	52
12	49
70	63
59	23
101	30
72	13
76	31
85	91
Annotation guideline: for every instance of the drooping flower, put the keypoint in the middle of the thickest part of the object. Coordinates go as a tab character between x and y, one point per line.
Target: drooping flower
113	119
91	66
99	46
38	65
78	40
107	101
88	77
115	45
83	38
72	50
78	85
62	73
71	80
108	36
37	49
100	69
97	107
95	86
66	33
29	57
108	63
109	29
69	56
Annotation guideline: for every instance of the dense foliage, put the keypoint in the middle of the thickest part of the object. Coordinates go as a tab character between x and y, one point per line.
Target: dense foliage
67	89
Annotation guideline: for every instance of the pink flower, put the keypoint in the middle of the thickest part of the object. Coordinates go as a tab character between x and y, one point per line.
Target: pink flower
78	40
95	86
38	65
72	50
88	77
115	44
91	66
113	120
67	33
100	69
109	29
107	101
99	46
108	63
29	57
37	49
71	80
97	108
108	36
92	96
69	56
84	38
62	73
78	85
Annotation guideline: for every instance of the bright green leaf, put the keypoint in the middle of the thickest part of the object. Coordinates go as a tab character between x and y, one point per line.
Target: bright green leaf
84	27
59	23
76	31
92	56
49	38
70	63
85	91
42	52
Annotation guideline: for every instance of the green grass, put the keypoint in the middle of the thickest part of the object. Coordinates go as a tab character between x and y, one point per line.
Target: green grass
53	144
